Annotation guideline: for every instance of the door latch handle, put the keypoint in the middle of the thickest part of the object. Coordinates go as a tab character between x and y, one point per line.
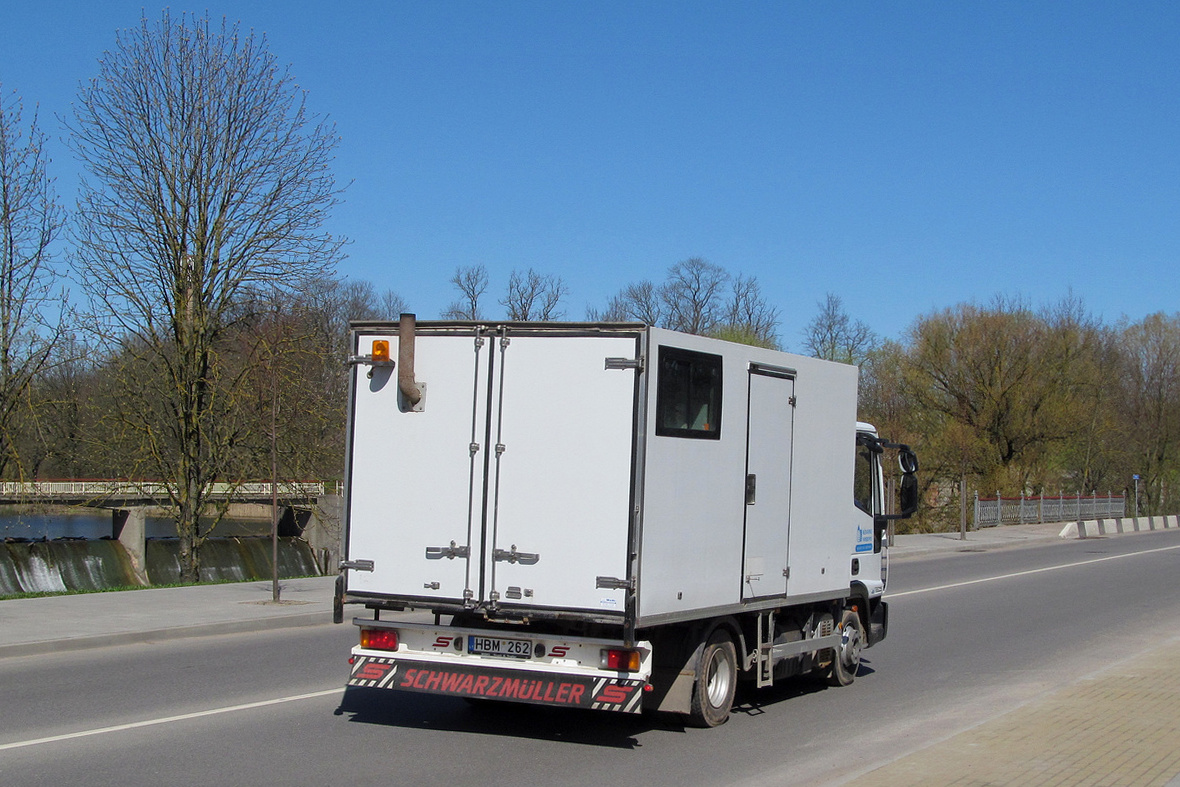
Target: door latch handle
512	556
450	553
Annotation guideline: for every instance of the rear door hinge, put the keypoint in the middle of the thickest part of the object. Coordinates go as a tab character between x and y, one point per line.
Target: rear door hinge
612	583
625	363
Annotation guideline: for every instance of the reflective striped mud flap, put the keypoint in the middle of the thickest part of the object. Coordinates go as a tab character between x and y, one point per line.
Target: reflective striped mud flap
493	683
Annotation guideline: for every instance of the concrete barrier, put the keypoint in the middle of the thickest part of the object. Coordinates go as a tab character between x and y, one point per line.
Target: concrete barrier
1108	527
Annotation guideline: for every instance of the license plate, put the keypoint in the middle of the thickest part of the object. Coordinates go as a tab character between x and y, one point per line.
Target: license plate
479	645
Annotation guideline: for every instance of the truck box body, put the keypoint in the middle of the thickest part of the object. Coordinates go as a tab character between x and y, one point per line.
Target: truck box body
572	493
544	469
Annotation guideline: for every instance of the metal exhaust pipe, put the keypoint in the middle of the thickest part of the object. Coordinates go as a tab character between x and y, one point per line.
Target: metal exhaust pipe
405	360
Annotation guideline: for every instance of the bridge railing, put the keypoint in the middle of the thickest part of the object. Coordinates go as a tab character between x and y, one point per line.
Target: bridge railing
155	490
998	510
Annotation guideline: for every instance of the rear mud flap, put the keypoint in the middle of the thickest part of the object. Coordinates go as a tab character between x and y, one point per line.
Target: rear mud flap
878	623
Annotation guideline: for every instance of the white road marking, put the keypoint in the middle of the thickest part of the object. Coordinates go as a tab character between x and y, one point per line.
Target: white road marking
891	596
168	719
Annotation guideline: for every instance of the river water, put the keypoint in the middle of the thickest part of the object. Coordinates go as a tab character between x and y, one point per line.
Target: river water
96	523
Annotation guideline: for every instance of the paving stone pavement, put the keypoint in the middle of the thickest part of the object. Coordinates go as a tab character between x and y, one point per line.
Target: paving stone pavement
1116	728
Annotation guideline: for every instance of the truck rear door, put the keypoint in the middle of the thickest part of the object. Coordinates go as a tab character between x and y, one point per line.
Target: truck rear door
512	485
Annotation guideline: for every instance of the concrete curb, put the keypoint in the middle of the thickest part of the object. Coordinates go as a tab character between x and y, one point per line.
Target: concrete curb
164	634
1109	527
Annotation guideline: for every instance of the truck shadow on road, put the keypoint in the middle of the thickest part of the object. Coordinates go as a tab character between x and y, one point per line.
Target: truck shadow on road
488	717
751	701
568	725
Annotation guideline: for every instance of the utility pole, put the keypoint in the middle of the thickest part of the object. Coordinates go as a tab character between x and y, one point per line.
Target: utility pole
963	508
1136	477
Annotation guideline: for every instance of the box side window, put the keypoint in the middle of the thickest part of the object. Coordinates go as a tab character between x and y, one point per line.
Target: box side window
688	397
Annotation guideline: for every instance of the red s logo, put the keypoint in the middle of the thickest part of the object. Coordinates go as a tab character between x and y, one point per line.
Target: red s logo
372	671
614	695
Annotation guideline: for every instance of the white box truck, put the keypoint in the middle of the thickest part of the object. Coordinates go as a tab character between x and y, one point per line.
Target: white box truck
607	515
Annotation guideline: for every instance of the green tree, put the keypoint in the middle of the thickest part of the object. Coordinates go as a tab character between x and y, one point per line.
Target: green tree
1150	402
999	391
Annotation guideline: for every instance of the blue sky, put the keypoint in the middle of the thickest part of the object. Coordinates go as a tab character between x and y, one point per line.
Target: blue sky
905	156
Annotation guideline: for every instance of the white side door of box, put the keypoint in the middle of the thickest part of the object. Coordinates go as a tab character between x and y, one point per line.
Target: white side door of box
768	484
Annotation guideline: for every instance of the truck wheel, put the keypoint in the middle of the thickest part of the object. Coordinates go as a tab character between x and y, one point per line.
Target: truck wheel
846	657
712	694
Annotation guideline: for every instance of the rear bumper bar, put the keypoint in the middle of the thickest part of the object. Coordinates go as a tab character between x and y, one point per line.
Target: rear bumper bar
498	683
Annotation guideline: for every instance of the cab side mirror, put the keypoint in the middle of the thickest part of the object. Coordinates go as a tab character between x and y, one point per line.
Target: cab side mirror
908	495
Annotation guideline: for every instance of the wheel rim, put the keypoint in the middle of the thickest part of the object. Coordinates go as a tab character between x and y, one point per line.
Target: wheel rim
851	645
719	679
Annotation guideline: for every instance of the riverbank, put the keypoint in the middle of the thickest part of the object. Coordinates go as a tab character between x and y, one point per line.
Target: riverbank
42	522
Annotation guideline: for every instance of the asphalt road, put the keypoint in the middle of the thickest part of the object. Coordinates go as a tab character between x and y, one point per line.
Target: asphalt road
972	635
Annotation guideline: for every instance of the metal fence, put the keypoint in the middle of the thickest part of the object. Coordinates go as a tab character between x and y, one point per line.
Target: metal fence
992	511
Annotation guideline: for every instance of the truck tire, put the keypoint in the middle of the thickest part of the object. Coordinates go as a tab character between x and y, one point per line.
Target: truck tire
713	691
846	657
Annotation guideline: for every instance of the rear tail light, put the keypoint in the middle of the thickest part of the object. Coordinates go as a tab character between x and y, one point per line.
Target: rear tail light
379	639
621	660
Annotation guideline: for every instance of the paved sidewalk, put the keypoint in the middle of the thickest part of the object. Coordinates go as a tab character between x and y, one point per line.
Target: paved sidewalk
987	539
1120	726
34	626
1007	536
1117	726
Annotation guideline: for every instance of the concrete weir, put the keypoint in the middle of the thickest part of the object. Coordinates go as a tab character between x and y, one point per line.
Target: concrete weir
99	564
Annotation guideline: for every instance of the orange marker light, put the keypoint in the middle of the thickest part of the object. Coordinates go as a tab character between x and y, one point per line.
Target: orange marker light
621	660
380	350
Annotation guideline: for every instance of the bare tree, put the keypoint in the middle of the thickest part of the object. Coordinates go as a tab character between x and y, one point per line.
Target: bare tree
639	302
748	318
692	296
834	336
391	305
533	296
30	219
472	283
694	299
208	183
